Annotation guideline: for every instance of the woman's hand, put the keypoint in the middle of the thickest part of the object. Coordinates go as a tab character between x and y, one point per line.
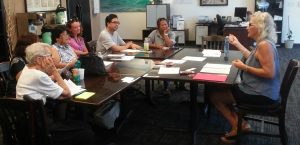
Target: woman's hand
239	64
48	65
233	40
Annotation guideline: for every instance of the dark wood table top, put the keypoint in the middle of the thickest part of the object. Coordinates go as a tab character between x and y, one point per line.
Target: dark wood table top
105	87
157	53
153	74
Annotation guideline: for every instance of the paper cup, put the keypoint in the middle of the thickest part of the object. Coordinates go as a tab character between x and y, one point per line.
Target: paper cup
81	73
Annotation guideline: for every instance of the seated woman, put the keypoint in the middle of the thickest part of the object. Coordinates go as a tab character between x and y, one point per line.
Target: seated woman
259	74
162	36
35	82
18	61
76	40
65	57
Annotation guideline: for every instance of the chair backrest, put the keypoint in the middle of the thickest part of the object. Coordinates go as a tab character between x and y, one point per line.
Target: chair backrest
24	122
5	77
287	81
213	42
92	45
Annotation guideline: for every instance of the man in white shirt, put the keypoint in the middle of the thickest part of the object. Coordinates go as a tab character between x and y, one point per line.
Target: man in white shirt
109	39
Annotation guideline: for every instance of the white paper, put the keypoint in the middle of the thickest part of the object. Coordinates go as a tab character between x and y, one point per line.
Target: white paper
174	61
107	63
74	89
168	70
216	68
124	58
193	58
115	55
131	50
211	53
128	79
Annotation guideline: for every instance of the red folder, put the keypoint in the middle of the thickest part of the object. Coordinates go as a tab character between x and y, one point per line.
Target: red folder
210	77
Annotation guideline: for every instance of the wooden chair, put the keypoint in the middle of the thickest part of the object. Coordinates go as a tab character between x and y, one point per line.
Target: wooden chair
5	79
24	122
213	42
276	110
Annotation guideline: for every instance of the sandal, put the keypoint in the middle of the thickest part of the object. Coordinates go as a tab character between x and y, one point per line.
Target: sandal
228	139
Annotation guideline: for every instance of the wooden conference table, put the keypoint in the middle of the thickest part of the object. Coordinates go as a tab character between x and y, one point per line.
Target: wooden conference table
153	75
157	54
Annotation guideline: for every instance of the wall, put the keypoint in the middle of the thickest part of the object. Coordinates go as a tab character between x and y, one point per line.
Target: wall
134	22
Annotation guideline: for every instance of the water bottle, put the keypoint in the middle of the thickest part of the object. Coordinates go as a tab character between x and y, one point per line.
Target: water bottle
226	48
78	64
146	44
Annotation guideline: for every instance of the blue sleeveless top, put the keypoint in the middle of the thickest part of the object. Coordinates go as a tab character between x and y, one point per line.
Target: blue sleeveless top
254	85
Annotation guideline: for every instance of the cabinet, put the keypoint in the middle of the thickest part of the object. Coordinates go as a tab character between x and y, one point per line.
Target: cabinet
182	35
240	32
4	55
275	8
153	12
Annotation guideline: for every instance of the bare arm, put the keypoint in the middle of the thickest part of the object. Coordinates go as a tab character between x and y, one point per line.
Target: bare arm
235	42
264	54
118	48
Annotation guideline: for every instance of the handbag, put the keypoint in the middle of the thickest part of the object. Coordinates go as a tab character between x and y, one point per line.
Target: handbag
93	65
106	115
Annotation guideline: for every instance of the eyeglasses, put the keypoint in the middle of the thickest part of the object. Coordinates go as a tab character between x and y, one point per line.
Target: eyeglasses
250	24
116	22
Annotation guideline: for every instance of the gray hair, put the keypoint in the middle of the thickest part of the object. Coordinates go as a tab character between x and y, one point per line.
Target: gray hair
266	26
36	49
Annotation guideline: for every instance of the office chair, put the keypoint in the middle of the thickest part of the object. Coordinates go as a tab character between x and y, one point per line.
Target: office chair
221	24
275	110
92	45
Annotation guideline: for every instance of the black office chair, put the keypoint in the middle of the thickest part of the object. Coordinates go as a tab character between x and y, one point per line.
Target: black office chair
92	45
7	86
221	24
24	122
276	110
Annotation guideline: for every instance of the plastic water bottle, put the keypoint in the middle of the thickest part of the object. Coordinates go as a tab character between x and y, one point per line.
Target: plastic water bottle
226	48
78	64
146	44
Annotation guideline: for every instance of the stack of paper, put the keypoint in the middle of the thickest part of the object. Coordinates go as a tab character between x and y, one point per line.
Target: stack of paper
216	68
130	50
193	58
211	53
168	70
85	95
174	61
115	55
74	89
124	58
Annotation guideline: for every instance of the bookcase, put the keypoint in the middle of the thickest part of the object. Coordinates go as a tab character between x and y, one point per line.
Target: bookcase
275	8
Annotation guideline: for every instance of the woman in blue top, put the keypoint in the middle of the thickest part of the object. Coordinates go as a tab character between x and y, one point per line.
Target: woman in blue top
260	82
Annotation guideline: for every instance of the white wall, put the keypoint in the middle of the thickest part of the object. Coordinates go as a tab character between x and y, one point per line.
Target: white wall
133	23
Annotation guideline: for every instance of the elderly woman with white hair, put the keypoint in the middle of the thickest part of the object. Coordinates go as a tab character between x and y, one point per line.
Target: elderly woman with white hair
35	82
260	80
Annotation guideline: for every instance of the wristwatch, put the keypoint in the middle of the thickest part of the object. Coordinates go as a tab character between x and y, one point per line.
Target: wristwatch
166	34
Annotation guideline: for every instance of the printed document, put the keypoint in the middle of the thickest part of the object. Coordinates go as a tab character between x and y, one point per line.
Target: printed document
216	68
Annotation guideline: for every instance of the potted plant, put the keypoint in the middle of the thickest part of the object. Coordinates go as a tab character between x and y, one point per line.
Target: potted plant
289	43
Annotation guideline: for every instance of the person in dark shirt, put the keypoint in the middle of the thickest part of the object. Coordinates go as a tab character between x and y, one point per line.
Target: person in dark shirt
18	61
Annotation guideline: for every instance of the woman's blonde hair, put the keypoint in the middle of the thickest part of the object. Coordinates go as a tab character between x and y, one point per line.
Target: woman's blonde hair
266	26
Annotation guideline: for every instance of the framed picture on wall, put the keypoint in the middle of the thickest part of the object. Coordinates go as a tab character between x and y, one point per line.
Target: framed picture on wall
41	5
213	2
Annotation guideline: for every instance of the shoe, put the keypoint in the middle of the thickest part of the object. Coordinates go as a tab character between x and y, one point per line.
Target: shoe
246	128
228	139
